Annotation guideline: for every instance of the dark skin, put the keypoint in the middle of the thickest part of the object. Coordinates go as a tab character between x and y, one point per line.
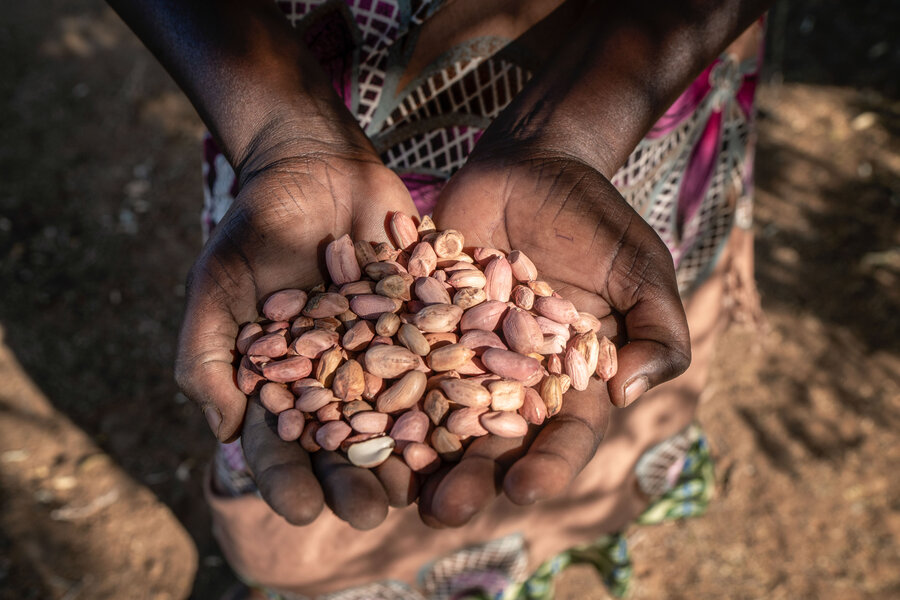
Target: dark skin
607	261
538	181
270	239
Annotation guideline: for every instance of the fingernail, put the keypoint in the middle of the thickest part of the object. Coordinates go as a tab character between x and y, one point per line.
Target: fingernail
214	418
635	388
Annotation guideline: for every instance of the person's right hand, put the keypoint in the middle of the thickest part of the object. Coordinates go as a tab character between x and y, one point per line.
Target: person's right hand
273	237
596	251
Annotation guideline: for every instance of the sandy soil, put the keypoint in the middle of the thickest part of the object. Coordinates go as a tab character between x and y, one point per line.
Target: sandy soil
101	458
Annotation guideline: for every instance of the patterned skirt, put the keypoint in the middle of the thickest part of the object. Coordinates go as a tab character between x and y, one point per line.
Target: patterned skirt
690	178
677	474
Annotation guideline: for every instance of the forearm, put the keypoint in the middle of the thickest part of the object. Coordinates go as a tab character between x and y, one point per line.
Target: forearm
248	74
597	97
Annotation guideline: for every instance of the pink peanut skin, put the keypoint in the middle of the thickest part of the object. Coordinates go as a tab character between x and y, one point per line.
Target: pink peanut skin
553	344
288	369
421	458
358	336
506	395
551	327
329	412
440	339
466	392
480	340
291	423
522	267
299	386
466	277
365	253
284	305
482	335
533	408
522	332
510	365
371	306
403	394
380	270
504	424
473	366
499	278
314	342
438	318
486	316
330	435
340	259
276	398
523	297
389	361
577	369
308	437
411	426
271	345
249	333
374	385
485	255
355	288
381	340
587	322
431	291
465	422
403	230
422	260
608	363
370	421
556	309
312	399
301	325
449	357
276	327
554	364
248	378
325	305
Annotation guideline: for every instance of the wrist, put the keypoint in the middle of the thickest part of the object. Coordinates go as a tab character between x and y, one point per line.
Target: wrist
315	133
286	174
564	137
597	96
256	86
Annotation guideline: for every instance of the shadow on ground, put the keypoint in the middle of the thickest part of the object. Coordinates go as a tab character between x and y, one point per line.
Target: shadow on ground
99	224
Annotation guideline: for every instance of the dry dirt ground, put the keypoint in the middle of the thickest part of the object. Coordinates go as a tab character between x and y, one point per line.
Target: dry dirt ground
101	458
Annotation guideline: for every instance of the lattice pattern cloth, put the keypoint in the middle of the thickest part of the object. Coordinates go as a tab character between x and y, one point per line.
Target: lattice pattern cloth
688	178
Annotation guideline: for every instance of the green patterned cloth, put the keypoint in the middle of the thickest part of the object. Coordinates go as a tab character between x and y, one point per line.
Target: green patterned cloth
689	497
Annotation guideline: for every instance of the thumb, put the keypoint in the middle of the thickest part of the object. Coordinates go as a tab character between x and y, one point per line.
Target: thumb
371	221
204	367
659	345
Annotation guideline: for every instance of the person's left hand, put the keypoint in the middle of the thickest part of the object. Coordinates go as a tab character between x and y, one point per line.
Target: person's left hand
597	252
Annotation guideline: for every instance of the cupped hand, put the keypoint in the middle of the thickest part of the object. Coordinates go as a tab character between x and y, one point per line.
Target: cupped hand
596	251
272	238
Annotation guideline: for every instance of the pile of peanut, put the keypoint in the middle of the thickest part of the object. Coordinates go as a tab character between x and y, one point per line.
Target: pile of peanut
416	349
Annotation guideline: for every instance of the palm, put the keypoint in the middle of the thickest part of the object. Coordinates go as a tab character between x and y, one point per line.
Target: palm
273	235
601	255
272	238
556	212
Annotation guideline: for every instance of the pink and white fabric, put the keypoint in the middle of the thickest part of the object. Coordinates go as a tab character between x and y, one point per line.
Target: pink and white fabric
690	178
